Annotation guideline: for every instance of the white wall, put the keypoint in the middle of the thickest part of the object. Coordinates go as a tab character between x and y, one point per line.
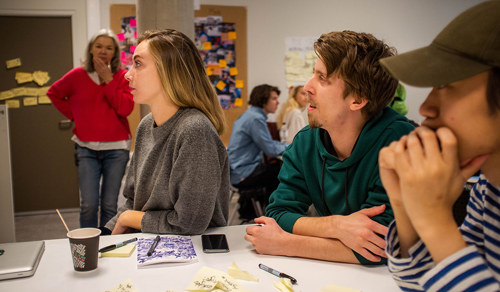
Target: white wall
404	24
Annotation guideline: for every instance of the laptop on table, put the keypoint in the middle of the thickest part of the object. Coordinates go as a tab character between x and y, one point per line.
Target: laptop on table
20	259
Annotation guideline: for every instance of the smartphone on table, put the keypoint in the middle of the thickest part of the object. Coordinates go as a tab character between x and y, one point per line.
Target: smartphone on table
214	243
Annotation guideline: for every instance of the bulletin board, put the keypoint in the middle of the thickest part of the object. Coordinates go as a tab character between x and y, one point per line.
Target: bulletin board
116	13
238	16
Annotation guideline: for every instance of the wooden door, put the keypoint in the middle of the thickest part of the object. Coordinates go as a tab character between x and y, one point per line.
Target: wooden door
43	169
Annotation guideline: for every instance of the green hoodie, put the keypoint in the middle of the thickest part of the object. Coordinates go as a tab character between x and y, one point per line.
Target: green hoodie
355	180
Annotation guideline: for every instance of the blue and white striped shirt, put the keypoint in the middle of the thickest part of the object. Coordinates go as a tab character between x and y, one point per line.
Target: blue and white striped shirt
474	268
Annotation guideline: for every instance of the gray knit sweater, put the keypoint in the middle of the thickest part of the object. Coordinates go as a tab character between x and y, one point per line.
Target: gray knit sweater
178	175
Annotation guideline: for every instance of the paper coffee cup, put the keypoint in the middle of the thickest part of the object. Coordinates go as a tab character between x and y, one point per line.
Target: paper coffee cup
84	245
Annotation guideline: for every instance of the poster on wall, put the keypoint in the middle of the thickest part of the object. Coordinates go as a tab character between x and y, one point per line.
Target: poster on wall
127	39
215	42
299	59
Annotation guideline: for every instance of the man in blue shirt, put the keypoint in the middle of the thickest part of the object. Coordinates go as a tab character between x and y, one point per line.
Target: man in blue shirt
250	141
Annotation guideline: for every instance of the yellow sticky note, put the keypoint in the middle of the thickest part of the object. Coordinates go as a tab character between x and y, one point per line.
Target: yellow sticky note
124	251
43	90
236	273
19	91
221	85
238	102
29	101
231	35
6	94
13	103
207	46
239	83
41	77
125	286
284	285
233	71
22	77
43	99
31	91
222	63
13	63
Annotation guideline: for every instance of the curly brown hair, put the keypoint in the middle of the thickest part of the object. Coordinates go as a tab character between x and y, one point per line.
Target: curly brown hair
354	57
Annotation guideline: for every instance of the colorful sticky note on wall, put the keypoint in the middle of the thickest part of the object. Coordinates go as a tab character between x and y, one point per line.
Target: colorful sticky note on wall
41	77
233	71
239	83
238	101
120	36
222	63
221	85
231	35
133	22
210	71
207	46
13	63
132	49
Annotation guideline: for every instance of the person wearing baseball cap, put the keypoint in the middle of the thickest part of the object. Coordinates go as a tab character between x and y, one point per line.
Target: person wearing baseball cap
424	172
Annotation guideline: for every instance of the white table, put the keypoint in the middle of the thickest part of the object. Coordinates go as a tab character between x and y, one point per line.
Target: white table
55	272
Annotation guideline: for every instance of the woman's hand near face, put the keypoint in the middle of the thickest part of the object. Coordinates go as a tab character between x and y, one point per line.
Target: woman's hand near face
102	70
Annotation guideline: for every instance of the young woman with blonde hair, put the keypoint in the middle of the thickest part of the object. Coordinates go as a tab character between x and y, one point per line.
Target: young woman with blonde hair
178	180
290	119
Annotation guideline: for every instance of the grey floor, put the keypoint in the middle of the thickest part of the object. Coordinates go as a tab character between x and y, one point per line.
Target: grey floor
48	225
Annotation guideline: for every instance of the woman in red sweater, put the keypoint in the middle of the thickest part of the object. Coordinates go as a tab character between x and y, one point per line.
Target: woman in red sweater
97	98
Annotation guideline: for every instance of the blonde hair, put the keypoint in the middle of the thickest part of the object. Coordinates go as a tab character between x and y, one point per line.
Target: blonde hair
182	73
288	106
88	64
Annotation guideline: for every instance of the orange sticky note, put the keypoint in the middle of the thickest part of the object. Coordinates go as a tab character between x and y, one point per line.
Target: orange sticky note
222	63
231	35
210	71
238	102
239	83
233	71
221	85
207	46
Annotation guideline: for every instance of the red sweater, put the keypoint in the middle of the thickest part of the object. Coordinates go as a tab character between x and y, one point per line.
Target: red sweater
98	111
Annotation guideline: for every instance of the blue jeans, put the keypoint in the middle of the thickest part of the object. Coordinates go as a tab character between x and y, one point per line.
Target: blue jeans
92	165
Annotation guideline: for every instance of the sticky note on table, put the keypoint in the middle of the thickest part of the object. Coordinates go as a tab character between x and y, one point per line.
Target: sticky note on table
335	288
125	286
283	285
124	251
236	273
13	63
208	279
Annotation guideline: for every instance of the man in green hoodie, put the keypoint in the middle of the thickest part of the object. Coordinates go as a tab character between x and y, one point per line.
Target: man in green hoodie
333	163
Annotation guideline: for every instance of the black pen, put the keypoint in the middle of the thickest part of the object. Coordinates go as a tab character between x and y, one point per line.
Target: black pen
153	245
277	273
113	246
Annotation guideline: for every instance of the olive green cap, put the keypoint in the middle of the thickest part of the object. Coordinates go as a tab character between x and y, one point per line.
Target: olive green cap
468	45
